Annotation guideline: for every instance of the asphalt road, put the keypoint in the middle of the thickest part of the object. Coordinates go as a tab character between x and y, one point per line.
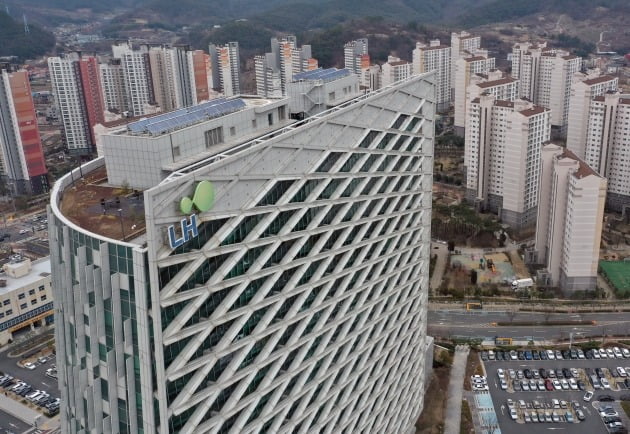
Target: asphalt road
479	324
10	424
592	424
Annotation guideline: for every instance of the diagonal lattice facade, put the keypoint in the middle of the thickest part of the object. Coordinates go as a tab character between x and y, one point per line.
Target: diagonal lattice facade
300	304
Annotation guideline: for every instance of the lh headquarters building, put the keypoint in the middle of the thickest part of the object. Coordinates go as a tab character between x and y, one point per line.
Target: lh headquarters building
226	269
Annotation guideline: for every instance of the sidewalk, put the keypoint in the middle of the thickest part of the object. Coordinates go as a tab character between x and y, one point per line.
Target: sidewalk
455	391
19	410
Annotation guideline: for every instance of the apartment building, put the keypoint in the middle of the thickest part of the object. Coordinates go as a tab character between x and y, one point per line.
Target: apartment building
545	76
584	88
607	145
226	68
356	56
22	165
137	79
570	219
277	284
394	70
502	157
113	84
275	70
462	44
76	83
172	76
435	57
496	83
466	68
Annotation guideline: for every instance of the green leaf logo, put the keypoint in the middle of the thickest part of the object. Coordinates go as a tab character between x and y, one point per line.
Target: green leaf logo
203	199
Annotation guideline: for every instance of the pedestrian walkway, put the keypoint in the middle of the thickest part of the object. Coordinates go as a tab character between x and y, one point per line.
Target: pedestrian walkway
455	390
19	410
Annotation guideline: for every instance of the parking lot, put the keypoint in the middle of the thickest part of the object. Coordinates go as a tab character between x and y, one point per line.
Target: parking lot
549	393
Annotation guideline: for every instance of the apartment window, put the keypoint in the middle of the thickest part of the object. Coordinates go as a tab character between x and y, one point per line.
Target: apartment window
331	95
23	306
43	297
9	312
41	288
33	301
232	131
214	136
21	296
6	302
270	119
31	292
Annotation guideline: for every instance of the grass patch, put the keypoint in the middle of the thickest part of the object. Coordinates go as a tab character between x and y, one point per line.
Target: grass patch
626	407
466	426
618	274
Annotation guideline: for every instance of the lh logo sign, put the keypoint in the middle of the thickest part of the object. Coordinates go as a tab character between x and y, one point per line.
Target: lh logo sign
189	231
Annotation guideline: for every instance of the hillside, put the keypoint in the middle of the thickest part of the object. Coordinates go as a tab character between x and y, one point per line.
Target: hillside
70	5
25	46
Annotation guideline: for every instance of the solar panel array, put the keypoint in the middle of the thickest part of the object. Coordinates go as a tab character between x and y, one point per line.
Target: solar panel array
181	118
326	75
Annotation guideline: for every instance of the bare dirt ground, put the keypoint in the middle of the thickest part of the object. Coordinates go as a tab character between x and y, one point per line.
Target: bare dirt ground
431	420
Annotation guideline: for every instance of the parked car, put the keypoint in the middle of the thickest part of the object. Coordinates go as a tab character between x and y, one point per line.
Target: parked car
588	396
580	414
30	366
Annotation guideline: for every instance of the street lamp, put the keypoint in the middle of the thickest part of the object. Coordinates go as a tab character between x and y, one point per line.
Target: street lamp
122	227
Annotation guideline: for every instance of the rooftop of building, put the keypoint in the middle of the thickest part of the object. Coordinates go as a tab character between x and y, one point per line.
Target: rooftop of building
598	80
398	63
320	74
475	58
112	212
498	82
435	47
40	269
583	168
535	110
164	123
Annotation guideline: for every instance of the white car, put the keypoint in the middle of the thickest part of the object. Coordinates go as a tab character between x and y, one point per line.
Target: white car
603	354
617	353
588	396
23	231
500	373
625	352
596	354
605	383
513	414
551	355
610	352
30	366
622	372
557	385
573	384
565	384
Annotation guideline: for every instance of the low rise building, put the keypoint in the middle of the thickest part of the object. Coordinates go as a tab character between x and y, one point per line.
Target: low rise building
25	296
313	92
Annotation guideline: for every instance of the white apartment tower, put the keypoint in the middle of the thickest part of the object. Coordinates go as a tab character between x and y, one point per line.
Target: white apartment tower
226	68
285	60
356	56
136	76
172	76
113	82
502	157
394	70
462	44
276	285
607	145
545	77
69	98
466	68
570	219
584	88
435	57
496	83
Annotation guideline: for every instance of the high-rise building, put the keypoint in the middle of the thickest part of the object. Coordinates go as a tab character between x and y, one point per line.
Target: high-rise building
463	44
276	69
496	83
570	220
113	83
502	156
545	77
22	165
172	76
435	57
76	83
226	68
277	285
607	145
202	73
394	70
356	56
466	68
583	89
137	78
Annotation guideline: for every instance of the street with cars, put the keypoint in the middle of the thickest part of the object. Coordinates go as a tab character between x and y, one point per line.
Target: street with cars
558	387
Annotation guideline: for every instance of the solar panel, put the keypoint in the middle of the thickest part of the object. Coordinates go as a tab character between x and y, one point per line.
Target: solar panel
325	75
185	117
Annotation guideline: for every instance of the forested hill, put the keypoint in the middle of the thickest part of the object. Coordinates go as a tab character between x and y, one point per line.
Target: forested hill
15	42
